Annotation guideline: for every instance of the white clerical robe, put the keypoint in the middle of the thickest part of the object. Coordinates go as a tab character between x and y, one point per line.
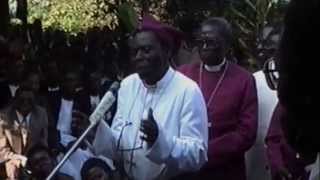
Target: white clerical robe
180	112
315	172
256	161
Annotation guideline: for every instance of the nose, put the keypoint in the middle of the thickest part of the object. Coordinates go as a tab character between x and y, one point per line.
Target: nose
138	56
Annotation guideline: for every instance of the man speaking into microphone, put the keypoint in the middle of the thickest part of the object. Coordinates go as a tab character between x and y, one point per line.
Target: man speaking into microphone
160	128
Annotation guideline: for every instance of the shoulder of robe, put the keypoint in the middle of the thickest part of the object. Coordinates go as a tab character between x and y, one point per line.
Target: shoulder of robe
188	67
186	84
130	80
240	72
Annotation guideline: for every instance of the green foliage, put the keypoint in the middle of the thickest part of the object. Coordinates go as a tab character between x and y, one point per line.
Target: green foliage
249	19
70	15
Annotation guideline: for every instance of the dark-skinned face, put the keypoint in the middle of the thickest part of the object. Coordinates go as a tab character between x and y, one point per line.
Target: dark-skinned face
52	72
25	102
41	164
97	173
15	71
94	82
211	45
70	83
147	56
33	81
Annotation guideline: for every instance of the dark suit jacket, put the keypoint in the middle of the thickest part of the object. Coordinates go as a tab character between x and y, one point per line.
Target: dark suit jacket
10	136
5	94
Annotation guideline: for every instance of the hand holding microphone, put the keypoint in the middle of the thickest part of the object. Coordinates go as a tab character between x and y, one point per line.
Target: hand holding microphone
149	128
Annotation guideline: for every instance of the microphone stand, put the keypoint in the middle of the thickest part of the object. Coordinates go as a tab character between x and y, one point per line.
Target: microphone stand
72	149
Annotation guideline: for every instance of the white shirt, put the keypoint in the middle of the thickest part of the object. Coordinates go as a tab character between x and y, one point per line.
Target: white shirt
94	101
256	161
73	165
64	122
180	112
315	172
13	89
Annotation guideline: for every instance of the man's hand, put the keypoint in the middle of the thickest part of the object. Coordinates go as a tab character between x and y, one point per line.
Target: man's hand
12	169
150	129
23	160
284	174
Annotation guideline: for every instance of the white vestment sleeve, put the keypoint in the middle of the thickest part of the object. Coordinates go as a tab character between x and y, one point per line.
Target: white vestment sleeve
188	151
104	140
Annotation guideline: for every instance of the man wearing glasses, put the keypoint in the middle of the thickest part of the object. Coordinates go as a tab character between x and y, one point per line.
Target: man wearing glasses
231	98
160	128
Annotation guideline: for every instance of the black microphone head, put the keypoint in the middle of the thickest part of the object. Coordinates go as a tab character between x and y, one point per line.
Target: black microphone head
115	86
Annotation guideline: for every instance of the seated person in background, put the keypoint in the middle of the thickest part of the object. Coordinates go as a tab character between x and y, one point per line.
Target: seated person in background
22	125
31	79
50	85
68	101
96	91
84	152
41	163
96	169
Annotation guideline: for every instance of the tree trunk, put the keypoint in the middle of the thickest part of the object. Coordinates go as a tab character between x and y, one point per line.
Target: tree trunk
4	16
22	11
145	4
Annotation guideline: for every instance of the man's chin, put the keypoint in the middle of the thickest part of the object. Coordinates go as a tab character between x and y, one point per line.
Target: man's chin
211	61
144	74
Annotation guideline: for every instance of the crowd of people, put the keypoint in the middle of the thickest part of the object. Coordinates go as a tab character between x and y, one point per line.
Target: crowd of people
179	114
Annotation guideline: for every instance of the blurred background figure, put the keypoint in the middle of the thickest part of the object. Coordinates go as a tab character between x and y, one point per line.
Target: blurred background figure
23	125
41	162
97	169
256	158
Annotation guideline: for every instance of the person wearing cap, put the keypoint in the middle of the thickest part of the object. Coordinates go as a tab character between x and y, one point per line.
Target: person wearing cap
160	128
231	100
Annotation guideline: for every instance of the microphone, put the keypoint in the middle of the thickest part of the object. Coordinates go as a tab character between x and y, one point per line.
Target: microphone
107	101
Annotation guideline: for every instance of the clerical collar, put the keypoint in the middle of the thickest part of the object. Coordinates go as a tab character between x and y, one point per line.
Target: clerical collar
163	81
215	68
53	89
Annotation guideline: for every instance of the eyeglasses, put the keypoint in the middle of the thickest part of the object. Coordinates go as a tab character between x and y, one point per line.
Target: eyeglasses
272	73
120	137
207	43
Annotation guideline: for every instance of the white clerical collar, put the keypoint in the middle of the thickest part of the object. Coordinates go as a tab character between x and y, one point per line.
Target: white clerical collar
53	89
215	68
163	81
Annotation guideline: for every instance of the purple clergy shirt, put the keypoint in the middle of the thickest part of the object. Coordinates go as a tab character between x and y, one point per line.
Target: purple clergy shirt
233	114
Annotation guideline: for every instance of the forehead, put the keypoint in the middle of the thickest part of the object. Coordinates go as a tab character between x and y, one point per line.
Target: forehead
33	76
144	38
209	30
71	76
